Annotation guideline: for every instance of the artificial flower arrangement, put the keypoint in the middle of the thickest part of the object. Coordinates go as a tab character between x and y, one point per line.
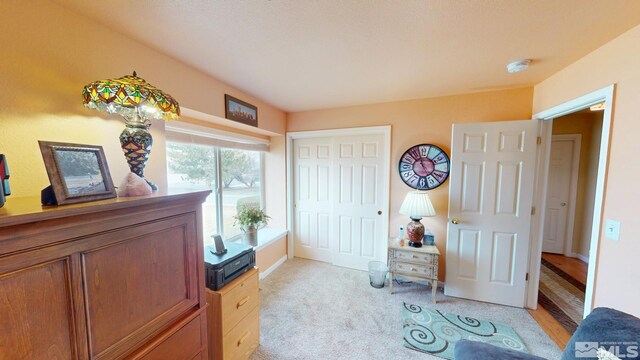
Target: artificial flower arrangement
250	217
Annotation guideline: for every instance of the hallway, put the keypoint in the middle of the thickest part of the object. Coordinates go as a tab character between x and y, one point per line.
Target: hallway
548	316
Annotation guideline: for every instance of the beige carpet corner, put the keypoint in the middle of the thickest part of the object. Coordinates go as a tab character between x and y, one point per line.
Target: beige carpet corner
314	310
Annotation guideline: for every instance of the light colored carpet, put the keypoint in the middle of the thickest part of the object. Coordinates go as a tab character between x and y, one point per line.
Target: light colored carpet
314	310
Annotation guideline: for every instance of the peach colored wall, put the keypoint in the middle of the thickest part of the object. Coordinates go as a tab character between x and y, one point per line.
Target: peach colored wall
268	256
588	125
615	62
275	183
420	121
50	52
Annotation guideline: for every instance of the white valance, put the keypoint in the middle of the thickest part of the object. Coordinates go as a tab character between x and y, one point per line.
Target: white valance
179	131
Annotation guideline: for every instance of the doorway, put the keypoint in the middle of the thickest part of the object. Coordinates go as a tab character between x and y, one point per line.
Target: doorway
604	98
569	208
338	195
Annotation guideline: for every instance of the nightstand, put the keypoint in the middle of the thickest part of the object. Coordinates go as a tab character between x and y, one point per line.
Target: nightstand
234	318
414	263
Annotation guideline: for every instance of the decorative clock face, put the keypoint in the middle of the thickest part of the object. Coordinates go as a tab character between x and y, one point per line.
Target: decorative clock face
424	167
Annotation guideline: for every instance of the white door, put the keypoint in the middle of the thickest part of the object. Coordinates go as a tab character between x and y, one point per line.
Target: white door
562	181
313	198
340	215
490	199
359	235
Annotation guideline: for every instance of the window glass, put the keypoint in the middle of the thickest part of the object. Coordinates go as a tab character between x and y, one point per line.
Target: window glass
192	167
241	185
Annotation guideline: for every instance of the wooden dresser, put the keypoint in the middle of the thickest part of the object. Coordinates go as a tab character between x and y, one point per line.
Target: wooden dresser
414	263
234	318
112	279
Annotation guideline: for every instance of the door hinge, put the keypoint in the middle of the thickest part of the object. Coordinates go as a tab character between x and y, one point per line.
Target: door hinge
539	140
526	278
533	210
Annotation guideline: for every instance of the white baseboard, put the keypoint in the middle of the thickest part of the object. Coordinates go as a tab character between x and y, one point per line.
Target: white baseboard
264	274
581	257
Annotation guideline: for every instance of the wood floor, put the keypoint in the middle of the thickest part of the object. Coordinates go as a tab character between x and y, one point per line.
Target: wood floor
572	266
578	270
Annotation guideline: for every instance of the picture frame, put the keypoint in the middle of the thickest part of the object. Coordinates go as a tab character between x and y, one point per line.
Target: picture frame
77	173
240	111
5	189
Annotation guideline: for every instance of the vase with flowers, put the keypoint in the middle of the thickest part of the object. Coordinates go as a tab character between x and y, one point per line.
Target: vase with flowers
250	218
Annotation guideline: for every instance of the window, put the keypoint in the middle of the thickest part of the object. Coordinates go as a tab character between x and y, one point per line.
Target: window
241	185
233	175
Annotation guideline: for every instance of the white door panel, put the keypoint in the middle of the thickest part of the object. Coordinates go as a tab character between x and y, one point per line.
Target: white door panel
490	192
338	189
360	233
558	196
312	191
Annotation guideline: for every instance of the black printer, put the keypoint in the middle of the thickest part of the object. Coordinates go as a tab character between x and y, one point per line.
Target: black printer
222	269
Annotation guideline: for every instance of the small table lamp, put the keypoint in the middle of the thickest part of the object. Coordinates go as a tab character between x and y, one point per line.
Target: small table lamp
417	205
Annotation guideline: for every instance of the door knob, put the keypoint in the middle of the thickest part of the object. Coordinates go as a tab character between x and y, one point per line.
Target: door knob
563	204
379	212
455	221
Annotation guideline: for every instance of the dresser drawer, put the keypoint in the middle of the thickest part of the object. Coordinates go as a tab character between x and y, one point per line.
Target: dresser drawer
238	301
243	339
422	258
182	344
200	356
429	271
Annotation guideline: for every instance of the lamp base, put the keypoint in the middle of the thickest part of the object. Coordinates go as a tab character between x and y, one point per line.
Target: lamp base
136	144
153	186
415	232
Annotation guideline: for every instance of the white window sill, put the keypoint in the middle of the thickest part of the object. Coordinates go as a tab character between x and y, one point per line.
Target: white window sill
266	237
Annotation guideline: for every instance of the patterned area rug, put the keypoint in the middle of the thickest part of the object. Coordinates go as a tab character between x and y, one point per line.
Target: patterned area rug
561	295
436	333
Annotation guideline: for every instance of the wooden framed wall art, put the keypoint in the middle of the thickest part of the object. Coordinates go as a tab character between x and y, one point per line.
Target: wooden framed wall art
240	111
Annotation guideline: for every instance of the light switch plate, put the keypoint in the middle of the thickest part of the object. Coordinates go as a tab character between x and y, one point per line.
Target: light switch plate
612	229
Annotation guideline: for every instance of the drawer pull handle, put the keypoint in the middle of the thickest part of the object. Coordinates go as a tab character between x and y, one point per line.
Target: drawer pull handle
414	269
413	256
242	302
242	339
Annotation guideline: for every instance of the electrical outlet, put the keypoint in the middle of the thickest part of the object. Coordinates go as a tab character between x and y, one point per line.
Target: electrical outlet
612	229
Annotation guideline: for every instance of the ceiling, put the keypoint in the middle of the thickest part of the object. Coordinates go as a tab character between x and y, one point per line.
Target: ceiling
313	54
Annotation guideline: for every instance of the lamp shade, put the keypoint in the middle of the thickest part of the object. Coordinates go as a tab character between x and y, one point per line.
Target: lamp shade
417	203
127	95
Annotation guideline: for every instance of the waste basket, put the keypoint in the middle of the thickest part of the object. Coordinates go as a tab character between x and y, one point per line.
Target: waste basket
377	273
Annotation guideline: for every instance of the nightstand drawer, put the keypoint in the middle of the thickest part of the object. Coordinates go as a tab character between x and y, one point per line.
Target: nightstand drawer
239	301
430	272
242	340
416	257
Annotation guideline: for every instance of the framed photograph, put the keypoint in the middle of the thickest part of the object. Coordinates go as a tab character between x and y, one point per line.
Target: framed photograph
5	189
77	172
240	111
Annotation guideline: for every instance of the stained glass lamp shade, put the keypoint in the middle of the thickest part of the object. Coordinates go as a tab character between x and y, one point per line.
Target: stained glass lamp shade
137	102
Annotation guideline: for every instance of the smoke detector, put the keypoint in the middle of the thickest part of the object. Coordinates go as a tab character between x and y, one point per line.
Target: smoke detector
519	65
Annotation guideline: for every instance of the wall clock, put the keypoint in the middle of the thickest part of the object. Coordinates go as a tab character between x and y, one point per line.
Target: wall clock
424	167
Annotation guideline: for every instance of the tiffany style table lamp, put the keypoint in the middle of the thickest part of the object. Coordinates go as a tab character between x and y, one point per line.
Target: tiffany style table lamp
137	102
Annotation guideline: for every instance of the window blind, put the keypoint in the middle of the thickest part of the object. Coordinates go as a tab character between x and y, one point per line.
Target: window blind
178	131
